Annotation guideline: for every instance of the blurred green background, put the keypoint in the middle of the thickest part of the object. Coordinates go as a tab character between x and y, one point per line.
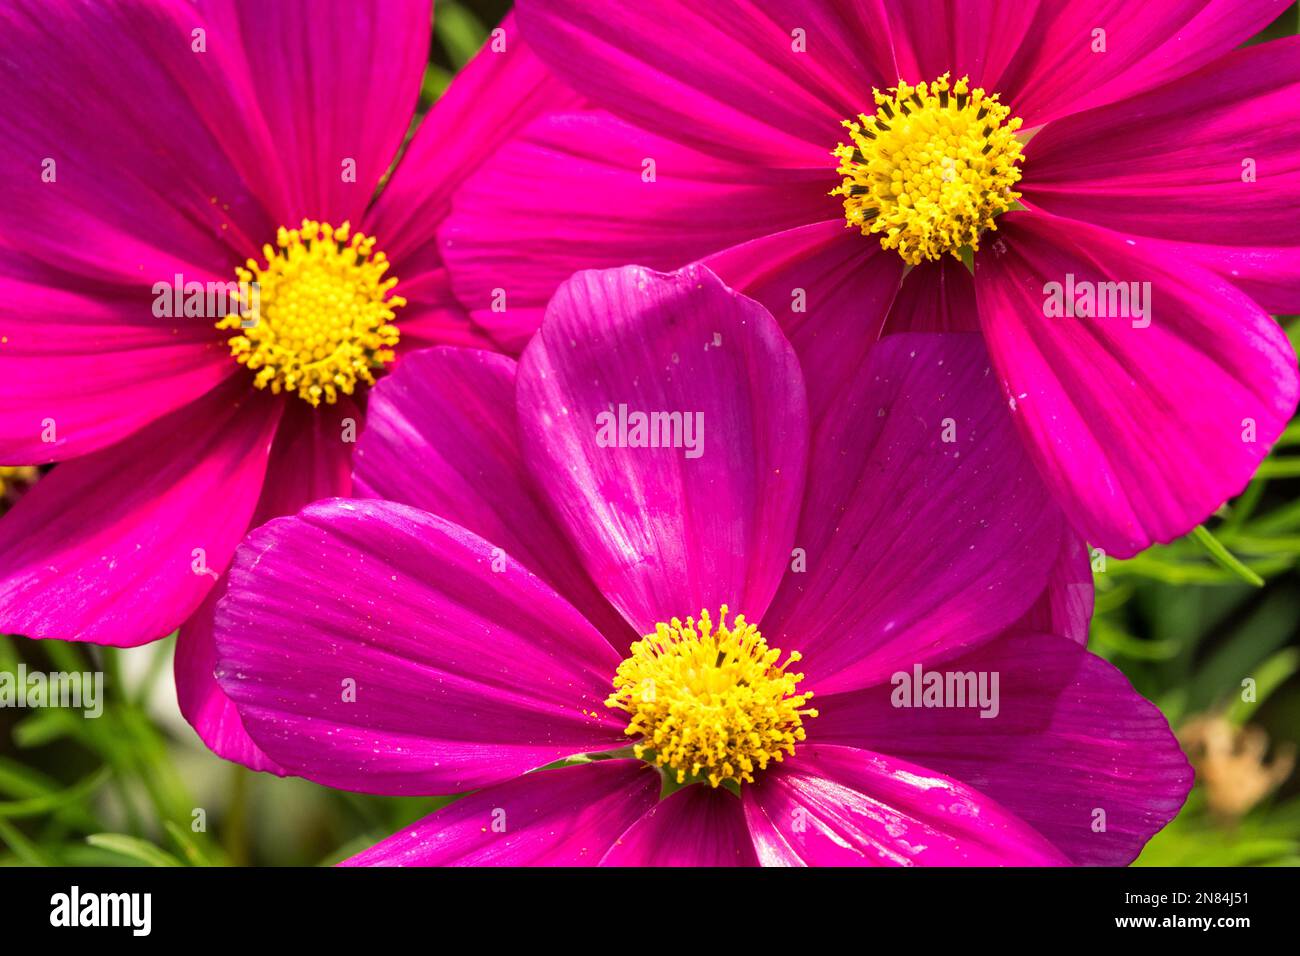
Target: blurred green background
1188	623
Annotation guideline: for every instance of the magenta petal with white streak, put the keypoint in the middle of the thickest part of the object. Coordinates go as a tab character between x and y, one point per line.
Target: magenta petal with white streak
1142	425
569	816
667	531
371	646
1073	750
841	806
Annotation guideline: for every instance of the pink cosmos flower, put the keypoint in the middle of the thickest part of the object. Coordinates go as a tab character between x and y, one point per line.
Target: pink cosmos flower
148	139
1121	179
467	633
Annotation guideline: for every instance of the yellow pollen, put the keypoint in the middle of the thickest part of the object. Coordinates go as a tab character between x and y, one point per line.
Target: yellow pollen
931	170
710	704
321	317
15	476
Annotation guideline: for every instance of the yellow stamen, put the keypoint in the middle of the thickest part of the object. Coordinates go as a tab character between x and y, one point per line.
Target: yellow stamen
15	476
931	170
322	315
710	704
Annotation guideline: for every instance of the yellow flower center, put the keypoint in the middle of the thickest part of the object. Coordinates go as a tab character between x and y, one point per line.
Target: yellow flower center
710	704
317	316
931	170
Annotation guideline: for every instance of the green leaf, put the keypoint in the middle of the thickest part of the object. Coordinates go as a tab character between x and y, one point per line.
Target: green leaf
44	727
47	803
1269	676
1288	467
1225	558
23	848
194	854
459	30
133	848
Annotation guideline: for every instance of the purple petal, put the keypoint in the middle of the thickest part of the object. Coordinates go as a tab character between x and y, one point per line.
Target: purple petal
442	434
334	84
157	152
1269	275
564	817
727	77
82	370
579	201
925	528
1065	66
495	96
1143	425
1070	738
309	460
121	546
979	38
830	290
841	806
667	531
1171	163
499	92
696	826
203	703
935	297
371	646
1065	607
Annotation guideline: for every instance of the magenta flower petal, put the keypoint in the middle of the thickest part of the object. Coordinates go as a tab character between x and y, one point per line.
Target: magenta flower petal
203	703
331	82
93	89
442	435
1171	162
120	546
495	96
1269	275
1071	738
829	292
841	806
979	38
696	826
565	817
1140	431
1059	68
667	531
579	201
1065	607
740	88
80	371
308	461
432	316
424	662
935	297
916	546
